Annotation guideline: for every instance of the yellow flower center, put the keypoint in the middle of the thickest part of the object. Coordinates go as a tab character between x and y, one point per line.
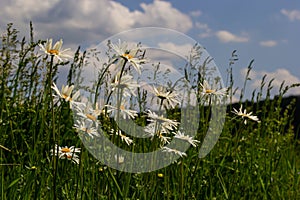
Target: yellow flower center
69	156
66	97
244	115
65	150
91	117
88	131
127	56
122	107
160	134
53	51
83	129
209	91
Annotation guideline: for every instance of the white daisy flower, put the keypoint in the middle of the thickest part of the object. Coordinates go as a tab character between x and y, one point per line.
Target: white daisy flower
128	55
127	85
189	139
123	137
81	127
154	129
66	94
165	123
209	91
126	113
169	150
88	113
245	115
164	139
56	50
169	96
67	153
151	129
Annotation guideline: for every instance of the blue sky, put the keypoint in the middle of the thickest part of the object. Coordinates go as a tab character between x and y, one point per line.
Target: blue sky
264	30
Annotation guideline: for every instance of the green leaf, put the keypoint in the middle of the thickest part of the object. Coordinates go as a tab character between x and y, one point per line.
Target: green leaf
14	182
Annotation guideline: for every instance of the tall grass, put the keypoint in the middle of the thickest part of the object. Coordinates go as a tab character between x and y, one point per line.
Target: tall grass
250	161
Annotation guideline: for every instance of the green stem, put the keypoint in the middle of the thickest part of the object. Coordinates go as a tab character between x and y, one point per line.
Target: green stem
181	180
159	110
119	93
116	183
100	80
52	126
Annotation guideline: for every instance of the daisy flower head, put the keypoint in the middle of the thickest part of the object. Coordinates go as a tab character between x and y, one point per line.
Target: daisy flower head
209	91
164	123
180	135
66	94
89	113
129	55
164	139
175	151
151	129
123	137
127	85
154	129
121	109
81	127
56	50
245	115
171	97
69	153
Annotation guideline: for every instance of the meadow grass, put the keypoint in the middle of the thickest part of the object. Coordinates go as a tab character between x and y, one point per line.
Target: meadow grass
249	161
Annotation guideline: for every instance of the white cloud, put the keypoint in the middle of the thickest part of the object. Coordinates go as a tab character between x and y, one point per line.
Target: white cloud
169	54
279	75
268	43
88	21
182	50
161	13
225	37
196	13
291	14
205	30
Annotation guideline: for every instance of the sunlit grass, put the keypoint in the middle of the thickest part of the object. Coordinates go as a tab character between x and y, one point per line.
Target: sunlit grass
253	160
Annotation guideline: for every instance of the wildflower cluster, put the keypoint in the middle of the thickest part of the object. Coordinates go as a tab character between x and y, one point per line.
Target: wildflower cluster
136	115
118	103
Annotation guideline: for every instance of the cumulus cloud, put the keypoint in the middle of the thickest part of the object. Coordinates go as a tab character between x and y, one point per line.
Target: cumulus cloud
196	13
169	54
268	43
182	50
225	37
291	14
161	13
205	30
279	75
88	21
